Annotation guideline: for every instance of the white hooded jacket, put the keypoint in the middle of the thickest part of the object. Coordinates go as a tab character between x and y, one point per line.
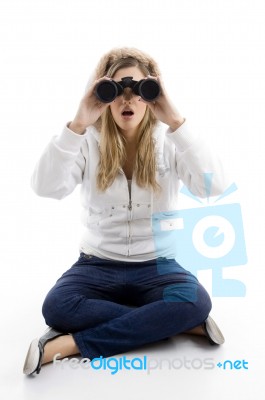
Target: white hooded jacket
119	225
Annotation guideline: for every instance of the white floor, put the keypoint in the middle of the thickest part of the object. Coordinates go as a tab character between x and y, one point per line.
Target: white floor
182	366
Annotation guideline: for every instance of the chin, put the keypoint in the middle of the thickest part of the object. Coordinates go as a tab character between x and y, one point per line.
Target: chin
127	126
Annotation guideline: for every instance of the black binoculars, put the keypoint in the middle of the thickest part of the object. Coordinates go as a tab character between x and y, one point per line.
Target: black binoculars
107	90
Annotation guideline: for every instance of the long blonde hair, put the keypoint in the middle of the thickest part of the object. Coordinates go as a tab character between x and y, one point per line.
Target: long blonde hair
112	143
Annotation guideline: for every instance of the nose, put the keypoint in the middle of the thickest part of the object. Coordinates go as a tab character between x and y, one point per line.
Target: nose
127	94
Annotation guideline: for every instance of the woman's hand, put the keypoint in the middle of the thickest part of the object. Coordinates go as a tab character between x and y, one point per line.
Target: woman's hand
89	111
163	109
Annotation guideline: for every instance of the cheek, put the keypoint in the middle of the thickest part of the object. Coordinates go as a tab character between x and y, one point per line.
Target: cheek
113	109
142	109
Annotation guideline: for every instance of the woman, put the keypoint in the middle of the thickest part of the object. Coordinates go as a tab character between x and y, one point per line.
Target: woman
126	289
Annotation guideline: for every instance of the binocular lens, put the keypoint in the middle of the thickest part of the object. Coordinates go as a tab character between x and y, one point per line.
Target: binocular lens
149	89
106	91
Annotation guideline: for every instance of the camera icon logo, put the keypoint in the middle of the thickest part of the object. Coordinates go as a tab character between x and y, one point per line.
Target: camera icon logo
207	237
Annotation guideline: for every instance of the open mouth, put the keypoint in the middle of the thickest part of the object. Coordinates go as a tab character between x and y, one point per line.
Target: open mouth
127	113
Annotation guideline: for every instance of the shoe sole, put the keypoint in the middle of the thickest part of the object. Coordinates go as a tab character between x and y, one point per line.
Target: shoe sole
213	331
32	358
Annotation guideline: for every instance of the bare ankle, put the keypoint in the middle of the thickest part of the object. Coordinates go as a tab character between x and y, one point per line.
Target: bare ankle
65	345
198	330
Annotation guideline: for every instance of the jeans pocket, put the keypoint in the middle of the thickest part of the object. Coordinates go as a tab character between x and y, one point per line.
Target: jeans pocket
86	256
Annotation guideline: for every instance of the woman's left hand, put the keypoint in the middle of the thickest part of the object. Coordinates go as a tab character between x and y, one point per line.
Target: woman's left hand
163	109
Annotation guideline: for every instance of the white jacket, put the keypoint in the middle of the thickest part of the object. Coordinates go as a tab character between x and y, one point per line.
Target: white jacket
117	226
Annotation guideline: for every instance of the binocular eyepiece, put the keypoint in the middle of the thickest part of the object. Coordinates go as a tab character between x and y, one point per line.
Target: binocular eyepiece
107	90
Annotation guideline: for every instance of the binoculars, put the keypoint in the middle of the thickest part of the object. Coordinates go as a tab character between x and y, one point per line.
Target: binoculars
107	90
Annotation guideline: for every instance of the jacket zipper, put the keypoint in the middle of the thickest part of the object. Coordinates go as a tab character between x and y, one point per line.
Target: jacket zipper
130	218
130	213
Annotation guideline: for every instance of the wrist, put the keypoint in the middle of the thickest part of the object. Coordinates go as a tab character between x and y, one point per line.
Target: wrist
76	127
175	124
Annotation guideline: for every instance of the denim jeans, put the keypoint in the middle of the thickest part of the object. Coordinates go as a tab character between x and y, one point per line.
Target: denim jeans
111	307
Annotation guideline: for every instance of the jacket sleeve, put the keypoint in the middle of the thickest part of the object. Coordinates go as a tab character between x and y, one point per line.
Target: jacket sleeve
197	165
61	166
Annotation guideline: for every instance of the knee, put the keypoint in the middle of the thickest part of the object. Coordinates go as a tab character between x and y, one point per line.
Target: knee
203	303
54	311
193	296
49	309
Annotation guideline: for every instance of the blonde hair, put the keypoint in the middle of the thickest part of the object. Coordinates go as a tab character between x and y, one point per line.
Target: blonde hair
112	143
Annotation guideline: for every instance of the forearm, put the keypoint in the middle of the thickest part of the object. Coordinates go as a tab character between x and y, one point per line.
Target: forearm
60	167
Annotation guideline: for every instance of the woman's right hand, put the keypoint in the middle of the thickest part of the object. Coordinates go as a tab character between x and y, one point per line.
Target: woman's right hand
89	111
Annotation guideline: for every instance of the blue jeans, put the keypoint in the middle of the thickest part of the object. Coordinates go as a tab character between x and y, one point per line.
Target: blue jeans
111	307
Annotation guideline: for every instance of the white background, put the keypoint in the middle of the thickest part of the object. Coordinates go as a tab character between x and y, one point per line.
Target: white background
211	54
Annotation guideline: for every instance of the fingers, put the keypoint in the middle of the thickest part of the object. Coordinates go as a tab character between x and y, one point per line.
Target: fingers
104	78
